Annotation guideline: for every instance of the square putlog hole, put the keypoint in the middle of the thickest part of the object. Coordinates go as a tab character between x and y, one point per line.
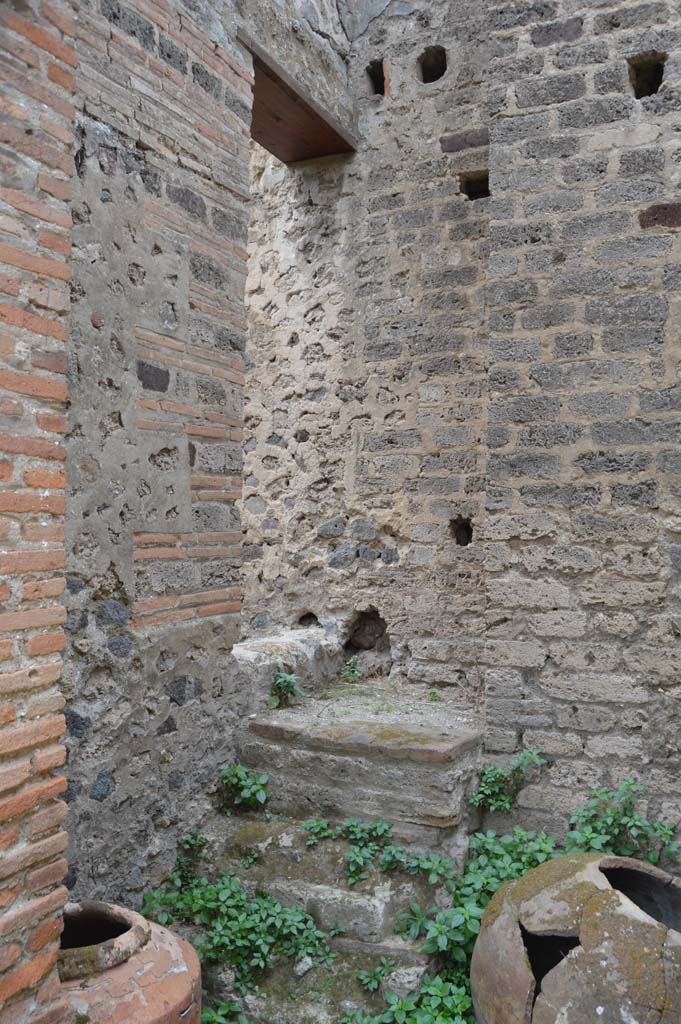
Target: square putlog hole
377	78
646	73
475	185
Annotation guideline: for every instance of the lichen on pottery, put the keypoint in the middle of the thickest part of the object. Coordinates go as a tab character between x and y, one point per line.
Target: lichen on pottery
581	938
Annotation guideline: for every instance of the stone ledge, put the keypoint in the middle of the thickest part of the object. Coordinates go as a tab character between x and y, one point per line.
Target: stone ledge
395	741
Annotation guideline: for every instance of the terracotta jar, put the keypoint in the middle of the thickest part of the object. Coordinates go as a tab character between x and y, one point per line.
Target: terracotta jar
116	968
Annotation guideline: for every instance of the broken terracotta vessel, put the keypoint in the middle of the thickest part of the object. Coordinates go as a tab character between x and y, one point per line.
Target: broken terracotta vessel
116	966
581	938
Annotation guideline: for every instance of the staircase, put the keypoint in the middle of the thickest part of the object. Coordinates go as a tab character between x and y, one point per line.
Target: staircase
273	856
354	751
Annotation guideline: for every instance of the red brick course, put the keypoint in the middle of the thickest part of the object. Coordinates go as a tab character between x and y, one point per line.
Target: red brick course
36	87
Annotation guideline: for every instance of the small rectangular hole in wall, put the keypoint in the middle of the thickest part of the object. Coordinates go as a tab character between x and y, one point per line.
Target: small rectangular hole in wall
646	73
376	76
475	184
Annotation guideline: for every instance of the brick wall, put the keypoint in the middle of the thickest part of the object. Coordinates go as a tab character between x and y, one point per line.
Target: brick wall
37	65
584	480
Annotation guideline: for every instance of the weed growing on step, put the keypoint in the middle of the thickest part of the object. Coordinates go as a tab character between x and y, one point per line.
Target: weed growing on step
438	1001
243	787
249	858
436	869
251	932
412	923
284	686
317	829
371	979
189	852
247	932
435	695
611	822
367	840
498	788
352	670
223	1013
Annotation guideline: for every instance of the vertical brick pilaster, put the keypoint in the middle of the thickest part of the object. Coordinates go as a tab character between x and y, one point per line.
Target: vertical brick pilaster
37	64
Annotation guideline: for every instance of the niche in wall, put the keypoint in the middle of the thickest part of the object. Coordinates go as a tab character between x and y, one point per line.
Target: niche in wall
475	184
308	619
378	81
432	63
368	632
646	72
461	530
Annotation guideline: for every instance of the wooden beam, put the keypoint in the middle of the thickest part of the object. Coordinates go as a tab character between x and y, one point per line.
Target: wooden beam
286	120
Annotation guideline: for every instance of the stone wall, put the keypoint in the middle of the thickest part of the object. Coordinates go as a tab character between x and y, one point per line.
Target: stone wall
160	199
37	64
584	475
366	351
154	444
417	357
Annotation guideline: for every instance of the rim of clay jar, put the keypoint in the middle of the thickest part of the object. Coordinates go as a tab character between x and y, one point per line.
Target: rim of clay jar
84	961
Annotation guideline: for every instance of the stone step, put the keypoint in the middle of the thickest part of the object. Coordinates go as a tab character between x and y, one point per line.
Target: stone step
320	995
273	856
408	773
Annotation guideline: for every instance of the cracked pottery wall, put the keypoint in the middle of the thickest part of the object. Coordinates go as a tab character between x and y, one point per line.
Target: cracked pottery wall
154	444
415	356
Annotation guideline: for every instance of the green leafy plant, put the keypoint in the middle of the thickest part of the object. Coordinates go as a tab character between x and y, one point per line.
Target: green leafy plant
247	932
358	861
412	923
435	695
611	822
189	852
438	1001
437	869
498	788
317	829
365	833
366	840
454	930
493	860
243	787
249	858
223	1013
352	671
371	979
284	686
